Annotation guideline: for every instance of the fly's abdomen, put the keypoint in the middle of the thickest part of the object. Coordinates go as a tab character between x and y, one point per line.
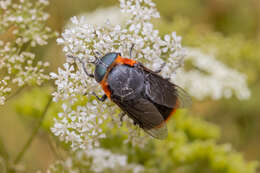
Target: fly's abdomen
126	82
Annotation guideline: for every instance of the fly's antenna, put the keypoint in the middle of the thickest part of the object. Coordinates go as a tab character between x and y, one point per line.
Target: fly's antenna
82	63
97	53
131	50
95	61
98	60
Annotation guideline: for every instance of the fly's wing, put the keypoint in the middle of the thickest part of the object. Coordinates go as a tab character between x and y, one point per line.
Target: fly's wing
146	115
183	97
163	92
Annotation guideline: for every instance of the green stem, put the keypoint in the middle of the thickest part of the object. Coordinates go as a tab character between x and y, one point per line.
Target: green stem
34	133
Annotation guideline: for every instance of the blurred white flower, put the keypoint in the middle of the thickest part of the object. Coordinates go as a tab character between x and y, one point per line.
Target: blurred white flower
96	160
5	3
64	166
24	25
113	15
4	89
103	159
211	78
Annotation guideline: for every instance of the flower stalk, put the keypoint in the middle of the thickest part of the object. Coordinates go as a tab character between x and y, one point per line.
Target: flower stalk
34	133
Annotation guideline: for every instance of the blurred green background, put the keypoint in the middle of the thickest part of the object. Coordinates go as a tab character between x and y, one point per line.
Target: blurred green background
232	26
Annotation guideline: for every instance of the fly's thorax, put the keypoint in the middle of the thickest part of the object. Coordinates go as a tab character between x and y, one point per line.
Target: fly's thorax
126	82
103	65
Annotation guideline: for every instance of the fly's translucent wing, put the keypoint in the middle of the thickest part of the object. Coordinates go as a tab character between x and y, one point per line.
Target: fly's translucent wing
160	132
165	93
184	98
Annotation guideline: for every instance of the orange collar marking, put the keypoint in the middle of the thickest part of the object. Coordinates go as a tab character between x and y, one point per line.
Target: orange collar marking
104	85
121	60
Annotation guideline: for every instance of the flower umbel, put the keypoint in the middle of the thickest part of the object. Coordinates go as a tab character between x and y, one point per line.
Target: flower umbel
22	26
83	40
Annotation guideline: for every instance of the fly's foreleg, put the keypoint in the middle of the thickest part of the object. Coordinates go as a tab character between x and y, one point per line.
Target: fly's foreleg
83	65
121	116
131	50
102	99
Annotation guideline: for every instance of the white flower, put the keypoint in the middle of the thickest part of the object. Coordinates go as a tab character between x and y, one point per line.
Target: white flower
103	159
211	78
96	160
4	89
80	127
82	39
26	22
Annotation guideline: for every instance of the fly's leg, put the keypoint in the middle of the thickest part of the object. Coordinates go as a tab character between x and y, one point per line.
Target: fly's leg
121	115
102	99
97	54
160	69
131	50
83	65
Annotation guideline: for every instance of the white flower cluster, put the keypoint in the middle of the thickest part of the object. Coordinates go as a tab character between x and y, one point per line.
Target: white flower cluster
70	83
21	65
4	89
211	78
23	26
64	166
5	3
81	125
82	40
26	20
97	161
104	159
